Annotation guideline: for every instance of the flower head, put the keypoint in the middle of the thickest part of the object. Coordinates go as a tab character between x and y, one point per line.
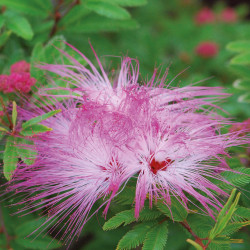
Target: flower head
19	79
6	84
20	67
168	138
204	16
22	81
80	162
228	15
207	49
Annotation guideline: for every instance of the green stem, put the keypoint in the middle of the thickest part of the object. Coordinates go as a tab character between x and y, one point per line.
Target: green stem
3	228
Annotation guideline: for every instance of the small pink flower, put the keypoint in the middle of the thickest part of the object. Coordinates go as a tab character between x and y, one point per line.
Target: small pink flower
204	16
6	84
22	81
207	49
18	80
20	67
228	15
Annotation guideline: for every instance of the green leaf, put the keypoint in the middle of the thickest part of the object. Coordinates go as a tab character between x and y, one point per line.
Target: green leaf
236	179
26	151
35	129
10	157
3	129
196	245
19	25
43	27
241	214
220	243
40	118
128	216
241	59
125	217
224	221
178	211
24	6
51	52
28	227
37	56
14	114
39	244
2	21
239	46
225	215
4	37
126	197
108	9
200	224
130	3
242	84
227	206
148	214
135	237
46	5
95	23
156	237
75	14
1	135
241	70
234	227
244	98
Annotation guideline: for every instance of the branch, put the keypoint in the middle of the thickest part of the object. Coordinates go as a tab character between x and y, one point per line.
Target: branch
58	16
6	112
3	229
197	238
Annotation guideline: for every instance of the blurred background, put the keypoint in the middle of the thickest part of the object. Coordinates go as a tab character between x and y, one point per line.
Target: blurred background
200	41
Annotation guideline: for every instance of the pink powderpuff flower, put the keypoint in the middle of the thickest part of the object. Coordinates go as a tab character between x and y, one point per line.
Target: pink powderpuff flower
20	67
205	16
207	49
95	85
179	149
170	138
228	15
79	163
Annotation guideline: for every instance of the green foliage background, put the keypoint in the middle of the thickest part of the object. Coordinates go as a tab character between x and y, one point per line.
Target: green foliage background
158	33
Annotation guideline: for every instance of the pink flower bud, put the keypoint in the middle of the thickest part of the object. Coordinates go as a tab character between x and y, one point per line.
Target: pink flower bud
20	67
22	81
228	15
207	49
204	16
6	84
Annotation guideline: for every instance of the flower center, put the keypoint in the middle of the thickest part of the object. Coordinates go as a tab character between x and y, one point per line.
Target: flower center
159	165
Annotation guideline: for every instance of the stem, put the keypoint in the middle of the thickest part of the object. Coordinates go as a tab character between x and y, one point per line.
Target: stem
6	112
4	123
58	16
3	228
197	238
